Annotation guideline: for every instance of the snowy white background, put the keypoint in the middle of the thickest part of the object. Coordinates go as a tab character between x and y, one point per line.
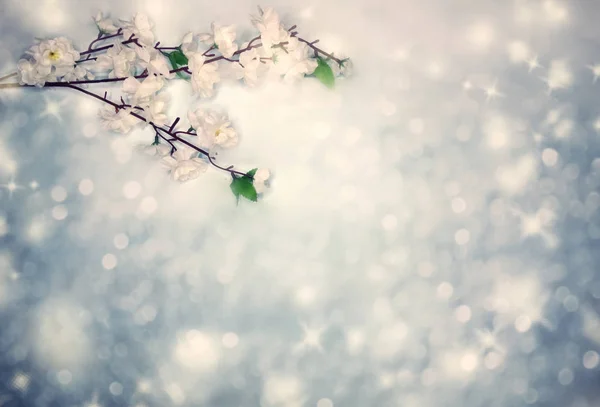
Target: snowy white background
431	238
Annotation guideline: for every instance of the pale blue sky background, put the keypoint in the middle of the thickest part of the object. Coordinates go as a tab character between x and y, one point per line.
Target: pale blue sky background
431	237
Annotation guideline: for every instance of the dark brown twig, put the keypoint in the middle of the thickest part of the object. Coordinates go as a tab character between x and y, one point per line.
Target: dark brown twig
320	51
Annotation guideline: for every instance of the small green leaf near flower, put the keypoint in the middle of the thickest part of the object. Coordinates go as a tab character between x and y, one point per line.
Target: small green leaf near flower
178	59
324	73
242	186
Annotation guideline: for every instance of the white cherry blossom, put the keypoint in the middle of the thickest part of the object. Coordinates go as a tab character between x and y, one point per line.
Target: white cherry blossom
204	76
118	60
49	60
57	52
223	37
117	120
184	164
152	60
155	150
248	67
189	44
105	24
140	27
213	128
155	109
32	73
141	91
271	30
261	177
78	73
293	61
344	70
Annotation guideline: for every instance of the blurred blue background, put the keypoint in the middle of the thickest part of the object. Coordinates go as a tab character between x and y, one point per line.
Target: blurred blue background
431	237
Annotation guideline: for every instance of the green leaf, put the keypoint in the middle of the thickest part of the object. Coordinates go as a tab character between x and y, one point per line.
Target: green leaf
172	60
251	173
177	59
181	58
324	73
242	186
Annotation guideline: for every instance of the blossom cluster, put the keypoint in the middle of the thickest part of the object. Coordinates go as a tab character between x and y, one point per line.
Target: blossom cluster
126	52
51	60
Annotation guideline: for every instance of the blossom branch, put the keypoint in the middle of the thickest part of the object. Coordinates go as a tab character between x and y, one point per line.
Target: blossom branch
236	53
311	45
317	50
206	53
101	37
198	149
145	74
251	45
131	40
56	63
107	80
156	46
158	134
158	129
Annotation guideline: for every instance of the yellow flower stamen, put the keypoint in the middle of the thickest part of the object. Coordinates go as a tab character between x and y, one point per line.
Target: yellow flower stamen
54	55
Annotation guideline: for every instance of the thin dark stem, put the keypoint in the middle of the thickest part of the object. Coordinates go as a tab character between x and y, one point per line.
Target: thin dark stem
200	150
174	124
320	51
189	133
208	50
251	42
231	60
238	52
105	47
85	60
100	38
228	169
163	48
92	94
156	130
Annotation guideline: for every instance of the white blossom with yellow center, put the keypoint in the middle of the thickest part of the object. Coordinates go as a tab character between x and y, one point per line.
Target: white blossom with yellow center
213	128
